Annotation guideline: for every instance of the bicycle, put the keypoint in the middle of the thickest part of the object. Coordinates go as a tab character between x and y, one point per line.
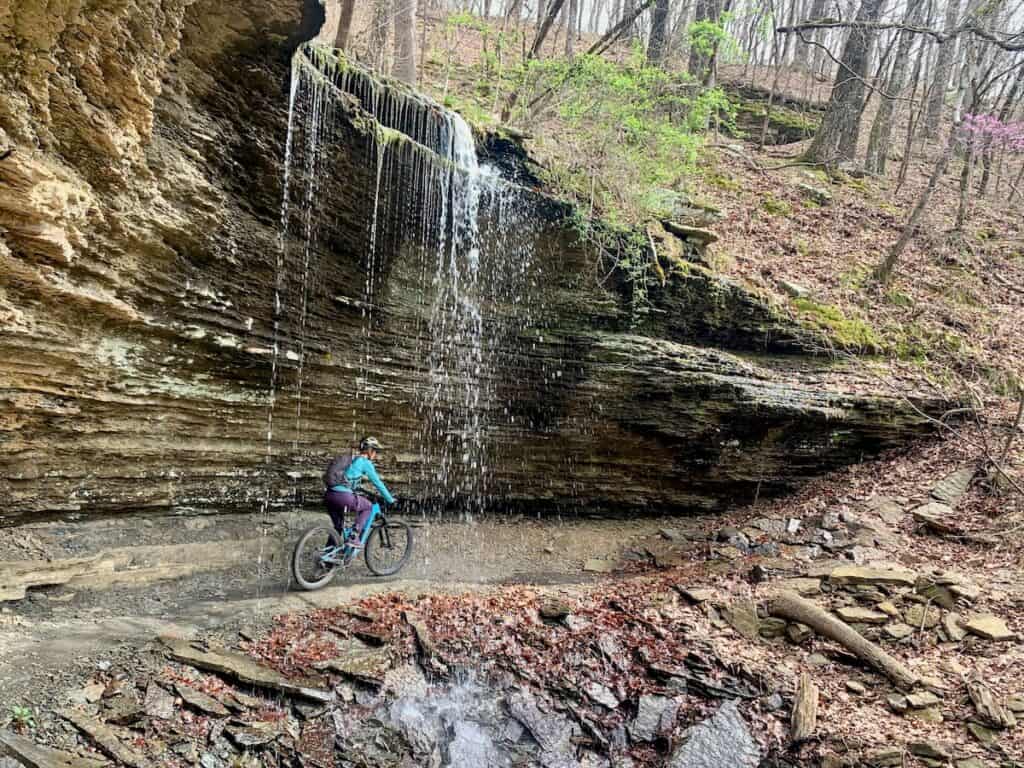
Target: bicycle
386	547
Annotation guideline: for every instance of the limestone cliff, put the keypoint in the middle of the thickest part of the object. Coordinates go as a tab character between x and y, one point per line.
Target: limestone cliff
145	289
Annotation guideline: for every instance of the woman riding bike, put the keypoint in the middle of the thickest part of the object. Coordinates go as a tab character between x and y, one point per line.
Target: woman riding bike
343	480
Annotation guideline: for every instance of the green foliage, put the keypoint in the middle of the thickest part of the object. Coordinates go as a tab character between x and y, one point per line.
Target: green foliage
776	207
856	277
848	332
631	130
625	252
705	36
22	718
722	181
898	299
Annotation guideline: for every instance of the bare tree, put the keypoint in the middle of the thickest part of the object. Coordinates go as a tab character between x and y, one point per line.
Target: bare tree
348	8
836	139
1009	101
656	47
379	33
405	41
943	70
881	129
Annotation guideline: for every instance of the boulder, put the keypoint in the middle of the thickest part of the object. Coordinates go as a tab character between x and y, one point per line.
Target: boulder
26	753
951	626
794	290
897	630
723	739
601	694
742	616
158	703
819	195
922	700
932	750
950	489
655	717
923	616
200	701
697	235
936	516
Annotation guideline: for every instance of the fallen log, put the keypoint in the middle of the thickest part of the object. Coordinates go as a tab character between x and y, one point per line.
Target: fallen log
805	710
789	605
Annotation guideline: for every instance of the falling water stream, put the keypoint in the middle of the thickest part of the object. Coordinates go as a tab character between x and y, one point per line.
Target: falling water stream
428	195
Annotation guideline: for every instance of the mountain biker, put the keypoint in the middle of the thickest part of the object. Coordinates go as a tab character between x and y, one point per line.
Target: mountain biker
343	479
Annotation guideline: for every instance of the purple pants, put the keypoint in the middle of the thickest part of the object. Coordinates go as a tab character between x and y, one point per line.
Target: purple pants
339	501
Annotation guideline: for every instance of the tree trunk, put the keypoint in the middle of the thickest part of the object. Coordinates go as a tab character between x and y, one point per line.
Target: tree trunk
965	189
943	69
817	12
659	33
554	9
881	129
1009	101
538	43
628	8
573	17
698	59
836	139
348	8
379	33
883	272
913	117
405	41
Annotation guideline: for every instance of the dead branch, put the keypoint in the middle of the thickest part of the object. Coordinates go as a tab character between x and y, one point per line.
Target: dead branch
940	36
790	606
1013	430
805	710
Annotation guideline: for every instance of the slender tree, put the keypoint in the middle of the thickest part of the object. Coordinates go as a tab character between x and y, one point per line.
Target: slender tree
943	72
347	10
656	47
881	128
405	41
380	32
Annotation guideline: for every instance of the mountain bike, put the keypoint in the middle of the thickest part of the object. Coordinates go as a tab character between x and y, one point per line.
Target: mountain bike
322	551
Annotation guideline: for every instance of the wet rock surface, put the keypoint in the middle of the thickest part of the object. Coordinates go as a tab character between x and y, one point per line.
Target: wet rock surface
142	243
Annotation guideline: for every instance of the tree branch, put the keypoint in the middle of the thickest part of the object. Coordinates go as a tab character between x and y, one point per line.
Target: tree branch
1006	42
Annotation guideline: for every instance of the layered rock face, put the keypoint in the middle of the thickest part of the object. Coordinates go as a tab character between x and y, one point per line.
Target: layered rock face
174	338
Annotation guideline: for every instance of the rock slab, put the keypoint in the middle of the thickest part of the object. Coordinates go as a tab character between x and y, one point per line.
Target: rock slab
240	668
723	739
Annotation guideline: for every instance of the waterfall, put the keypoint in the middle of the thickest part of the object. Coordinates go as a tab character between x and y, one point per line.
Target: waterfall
429	194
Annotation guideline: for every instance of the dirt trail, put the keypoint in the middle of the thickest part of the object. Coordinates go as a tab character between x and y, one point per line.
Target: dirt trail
218	573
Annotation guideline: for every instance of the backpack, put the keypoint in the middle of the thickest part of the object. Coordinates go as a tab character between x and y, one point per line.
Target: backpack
335	472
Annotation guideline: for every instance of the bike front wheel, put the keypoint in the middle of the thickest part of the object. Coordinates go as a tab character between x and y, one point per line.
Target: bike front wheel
388	548
310	567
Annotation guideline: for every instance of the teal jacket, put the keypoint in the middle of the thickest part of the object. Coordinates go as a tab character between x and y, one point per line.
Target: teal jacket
361	469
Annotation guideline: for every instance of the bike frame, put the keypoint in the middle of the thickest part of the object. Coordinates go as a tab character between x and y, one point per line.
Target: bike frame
345	551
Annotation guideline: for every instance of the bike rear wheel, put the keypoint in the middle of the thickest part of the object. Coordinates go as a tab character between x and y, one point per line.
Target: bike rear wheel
308	565
388	548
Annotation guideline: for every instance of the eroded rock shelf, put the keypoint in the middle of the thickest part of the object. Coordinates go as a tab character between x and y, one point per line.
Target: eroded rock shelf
140	218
